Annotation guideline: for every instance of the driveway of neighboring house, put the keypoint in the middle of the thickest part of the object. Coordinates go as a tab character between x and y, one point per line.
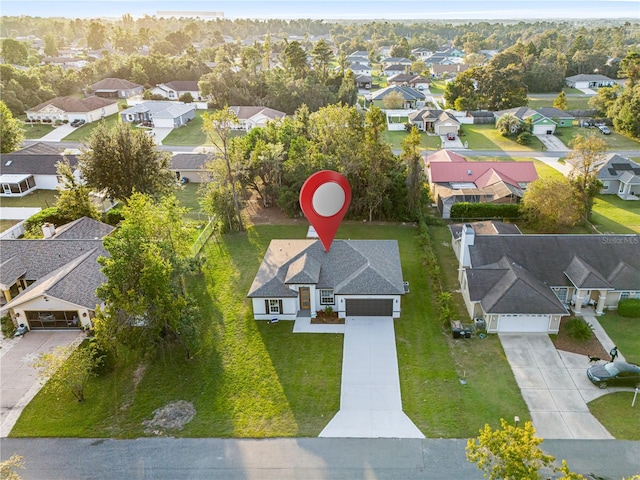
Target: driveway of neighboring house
370	401
18	379
554	163
159	134
555	387
58	133
456	143
552	143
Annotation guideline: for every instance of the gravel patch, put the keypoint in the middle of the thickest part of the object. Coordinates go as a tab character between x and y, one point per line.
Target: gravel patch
173	416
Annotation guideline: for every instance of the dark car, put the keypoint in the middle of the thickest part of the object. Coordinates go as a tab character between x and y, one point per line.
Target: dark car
451	136
604	129
614	373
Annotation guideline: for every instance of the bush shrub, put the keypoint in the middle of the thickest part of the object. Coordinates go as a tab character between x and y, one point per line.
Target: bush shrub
524	138
579	329
33	224
629	307
8	328
113	216
465	210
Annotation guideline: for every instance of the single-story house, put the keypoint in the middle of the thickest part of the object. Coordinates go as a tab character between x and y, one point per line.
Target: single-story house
354	278
620	176
32	168
412	98
405	62
250	117
481	116
51	283
68	109
589	81
116	88
411	80
363	81
364	60
359	68
160	114
174	90
527	283
421	52
360	53
391	70
450	71
452	180
66	62
543	121
190	167
440	122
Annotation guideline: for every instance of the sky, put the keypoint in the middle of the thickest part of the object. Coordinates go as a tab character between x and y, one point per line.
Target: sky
332	10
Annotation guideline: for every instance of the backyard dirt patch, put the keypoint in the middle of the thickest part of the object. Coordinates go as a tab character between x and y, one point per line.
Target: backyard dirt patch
173	416
591	347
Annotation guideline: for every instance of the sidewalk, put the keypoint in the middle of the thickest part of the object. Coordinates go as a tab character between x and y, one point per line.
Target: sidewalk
599	332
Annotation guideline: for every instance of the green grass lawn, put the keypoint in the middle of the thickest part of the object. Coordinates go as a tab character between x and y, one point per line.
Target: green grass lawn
486	137
187	195
33	131
190	134
625	333
6	224
38	198
427	142
611	214
254	379
436	87
83	133
615	141
615	412
573	103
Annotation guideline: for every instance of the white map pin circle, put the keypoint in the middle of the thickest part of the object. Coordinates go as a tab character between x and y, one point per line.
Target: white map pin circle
328	199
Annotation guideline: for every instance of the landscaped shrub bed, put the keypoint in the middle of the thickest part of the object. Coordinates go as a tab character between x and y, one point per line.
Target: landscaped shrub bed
629	307
472	211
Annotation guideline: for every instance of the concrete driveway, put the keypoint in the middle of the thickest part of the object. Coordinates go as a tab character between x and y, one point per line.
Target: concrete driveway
58	133
555	387
456	143
552	143
18	379
370	402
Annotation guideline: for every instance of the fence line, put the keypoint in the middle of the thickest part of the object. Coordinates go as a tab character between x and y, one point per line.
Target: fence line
203	237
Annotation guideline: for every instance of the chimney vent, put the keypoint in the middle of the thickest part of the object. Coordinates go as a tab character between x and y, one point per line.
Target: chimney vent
468	172
48	230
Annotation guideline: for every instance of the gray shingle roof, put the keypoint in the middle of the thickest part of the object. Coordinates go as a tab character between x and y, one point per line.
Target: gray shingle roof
189	161
616	165
83	228
34	161
351	267
75	105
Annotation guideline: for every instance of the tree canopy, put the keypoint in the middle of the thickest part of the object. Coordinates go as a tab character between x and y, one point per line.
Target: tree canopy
11	134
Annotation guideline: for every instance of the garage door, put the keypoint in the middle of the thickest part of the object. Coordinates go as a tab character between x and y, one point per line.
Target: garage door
369	307
543	129
515	323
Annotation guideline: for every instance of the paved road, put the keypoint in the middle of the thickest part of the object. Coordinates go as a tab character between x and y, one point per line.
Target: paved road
284	459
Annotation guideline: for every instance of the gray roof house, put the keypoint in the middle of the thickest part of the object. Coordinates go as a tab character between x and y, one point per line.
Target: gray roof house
161	114
51	283
174	90
589	81
620	176
412	97
355	278
190	167
527	283
116	88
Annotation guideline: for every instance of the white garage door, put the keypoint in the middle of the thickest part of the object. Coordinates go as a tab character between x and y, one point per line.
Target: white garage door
543	129
523	323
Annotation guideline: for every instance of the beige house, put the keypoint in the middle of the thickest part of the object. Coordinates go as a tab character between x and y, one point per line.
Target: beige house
67	109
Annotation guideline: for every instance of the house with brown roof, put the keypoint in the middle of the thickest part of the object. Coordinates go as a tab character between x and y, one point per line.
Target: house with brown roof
68	109
452	179
250	117
116	88
527	283
440	122
411	80
50	283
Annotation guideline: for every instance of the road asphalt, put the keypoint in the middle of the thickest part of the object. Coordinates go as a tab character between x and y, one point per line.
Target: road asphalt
290	458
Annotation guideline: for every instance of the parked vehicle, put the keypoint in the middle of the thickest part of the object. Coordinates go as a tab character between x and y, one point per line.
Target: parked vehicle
451	136
614	373
604	129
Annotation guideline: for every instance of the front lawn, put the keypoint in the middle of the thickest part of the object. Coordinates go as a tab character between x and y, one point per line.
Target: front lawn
427	142
83	133
38	198
33	131
625	333
611	214
436	87
255	379
487	137
615	412
615	141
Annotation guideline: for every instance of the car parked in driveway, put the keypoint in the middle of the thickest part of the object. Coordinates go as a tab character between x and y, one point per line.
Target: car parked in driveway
451	136
614	373
604	129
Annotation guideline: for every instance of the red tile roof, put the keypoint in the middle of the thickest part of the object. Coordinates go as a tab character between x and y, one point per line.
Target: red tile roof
511	172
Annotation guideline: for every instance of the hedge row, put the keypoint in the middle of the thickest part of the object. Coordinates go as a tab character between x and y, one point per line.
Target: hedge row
465	210
629	307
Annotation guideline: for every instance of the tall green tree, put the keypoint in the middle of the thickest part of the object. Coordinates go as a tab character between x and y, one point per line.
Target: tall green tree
295	59
415	171
560	101
122	160
626	111
50	46
378	162
508	124
14	52
219	126
146	303
97	35
11	133
321	57
586	158
630	68
74	200
348	92
551	204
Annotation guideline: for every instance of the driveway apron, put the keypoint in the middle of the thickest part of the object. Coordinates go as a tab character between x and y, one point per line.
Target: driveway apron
555	388
370	401
18	379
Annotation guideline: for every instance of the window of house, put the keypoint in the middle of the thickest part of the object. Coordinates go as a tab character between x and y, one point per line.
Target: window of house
561	293
326	297
275	306
605	184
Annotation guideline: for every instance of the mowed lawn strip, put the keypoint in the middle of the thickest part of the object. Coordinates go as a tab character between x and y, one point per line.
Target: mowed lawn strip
611	214
487	137
615	412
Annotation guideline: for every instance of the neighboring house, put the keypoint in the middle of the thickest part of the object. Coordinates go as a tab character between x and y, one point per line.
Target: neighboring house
174	90
542	121
527	283
190	167
489	227
481	117
364	60
359	53
411	80
412	98
359	68
356	278
160	114
452	180
68	109
394	69
251	117
363	81
620	176
116	88
440	122
405	62
32	168
66	62
51	283
449	71
421	52
589	81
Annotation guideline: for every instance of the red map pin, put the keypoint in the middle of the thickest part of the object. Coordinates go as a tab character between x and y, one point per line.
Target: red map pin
325	198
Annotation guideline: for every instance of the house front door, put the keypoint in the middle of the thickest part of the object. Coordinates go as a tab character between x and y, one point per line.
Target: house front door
305	298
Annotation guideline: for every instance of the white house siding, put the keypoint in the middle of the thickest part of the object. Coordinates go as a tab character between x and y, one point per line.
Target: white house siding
50	305
341	302
163	122
46	182
290	308
543	129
